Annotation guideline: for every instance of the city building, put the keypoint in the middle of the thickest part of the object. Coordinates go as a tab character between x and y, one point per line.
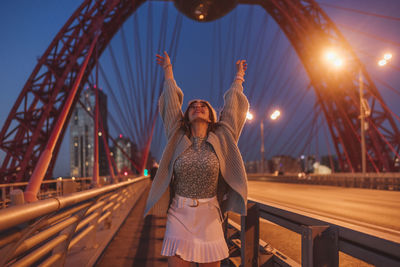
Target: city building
121	151
82	135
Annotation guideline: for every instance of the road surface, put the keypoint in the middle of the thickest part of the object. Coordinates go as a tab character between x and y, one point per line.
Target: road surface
375	209
378	209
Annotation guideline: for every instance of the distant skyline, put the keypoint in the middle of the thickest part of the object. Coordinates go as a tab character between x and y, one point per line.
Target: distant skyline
28	27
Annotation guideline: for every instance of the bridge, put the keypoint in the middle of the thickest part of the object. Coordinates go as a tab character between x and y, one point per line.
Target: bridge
337	110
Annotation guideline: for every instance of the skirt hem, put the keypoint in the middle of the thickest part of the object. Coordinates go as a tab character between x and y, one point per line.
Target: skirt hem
203	252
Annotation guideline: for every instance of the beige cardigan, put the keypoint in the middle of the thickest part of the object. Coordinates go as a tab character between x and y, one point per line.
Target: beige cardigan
223	139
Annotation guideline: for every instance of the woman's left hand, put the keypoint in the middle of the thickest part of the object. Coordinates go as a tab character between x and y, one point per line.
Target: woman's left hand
241	67
163	61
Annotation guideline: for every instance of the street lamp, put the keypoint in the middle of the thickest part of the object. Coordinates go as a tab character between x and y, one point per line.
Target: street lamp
365	111
249	116
386	58
274	116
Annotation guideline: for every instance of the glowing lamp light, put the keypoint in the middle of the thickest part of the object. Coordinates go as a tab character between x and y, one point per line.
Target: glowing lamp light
125	173
201	16
100	133
382	62
387	56
338	62
275	115
120	136
334	58
330	55
249	116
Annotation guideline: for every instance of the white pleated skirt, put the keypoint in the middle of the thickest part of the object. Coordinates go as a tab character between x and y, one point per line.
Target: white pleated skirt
194	230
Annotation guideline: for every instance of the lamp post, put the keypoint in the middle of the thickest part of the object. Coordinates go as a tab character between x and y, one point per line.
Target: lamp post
364	108
365	112
362	125
274	115
262	146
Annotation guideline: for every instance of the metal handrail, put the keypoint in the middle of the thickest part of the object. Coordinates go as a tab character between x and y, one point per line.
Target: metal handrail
30	231
13	216
336	174
46	182
322	236
6	189
382	181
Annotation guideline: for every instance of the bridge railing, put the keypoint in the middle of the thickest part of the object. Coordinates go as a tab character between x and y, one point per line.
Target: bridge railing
42	233
54	187
49	188
321	239
382	181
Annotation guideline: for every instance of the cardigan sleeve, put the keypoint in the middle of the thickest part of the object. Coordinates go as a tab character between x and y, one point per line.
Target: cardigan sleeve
236	106
170	106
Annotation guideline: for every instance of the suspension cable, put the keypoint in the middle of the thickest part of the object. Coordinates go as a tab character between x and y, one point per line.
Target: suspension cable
370	35
360	12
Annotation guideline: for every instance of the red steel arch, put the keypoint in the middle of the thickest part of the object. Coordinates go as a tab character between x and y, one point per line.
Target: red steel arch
310	31
32	118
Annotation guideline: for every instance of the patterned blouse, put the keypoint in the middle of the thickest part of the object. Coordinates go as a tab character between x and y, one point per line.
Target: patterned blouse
196	171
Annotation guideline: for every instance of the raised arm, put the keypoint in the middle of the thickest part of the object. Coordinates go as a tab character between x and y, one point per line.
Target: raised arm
165	63
171	99
236	105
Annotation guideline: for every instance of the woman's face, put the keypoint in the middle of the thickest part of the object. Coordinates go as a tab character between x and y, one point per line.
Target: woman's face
198	110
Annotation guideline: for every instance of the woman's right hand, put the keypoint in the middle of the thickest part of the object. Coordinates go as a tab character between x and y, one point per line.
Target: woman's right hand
163	61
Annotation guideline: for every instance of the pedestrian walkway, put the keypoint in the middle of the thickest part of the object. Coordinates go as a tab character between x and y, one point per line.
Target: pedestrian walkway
138	241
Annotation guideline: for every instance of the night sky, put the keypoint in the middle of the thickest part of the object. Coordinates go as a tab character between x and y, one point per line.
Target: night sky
28	27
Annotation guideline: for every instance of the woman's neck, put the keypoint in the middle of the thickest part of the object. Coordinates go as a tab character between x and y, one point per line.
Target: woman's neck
199	129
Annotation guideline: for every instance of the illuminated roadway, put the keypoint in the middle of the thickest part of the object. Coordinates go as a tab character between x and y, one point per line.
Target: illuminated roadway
352	207
376	209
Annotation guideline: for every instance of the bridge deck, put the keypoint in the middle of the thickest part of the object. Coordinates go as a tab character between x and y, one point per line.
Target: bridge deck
138	241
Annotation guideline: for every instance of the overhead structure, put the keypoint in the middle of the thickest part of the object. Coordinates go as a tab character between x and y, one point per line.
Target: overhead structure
311	33
205	10
31	120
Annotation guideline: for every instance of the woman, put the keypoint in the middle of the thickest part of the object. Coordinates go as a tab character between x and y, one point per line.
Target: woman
201	173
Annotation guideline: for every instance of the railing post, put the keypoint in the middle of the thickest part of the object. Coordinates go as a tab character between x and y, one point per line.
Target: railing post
59	187
319	246
69	187
249	236
17	197
4	196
